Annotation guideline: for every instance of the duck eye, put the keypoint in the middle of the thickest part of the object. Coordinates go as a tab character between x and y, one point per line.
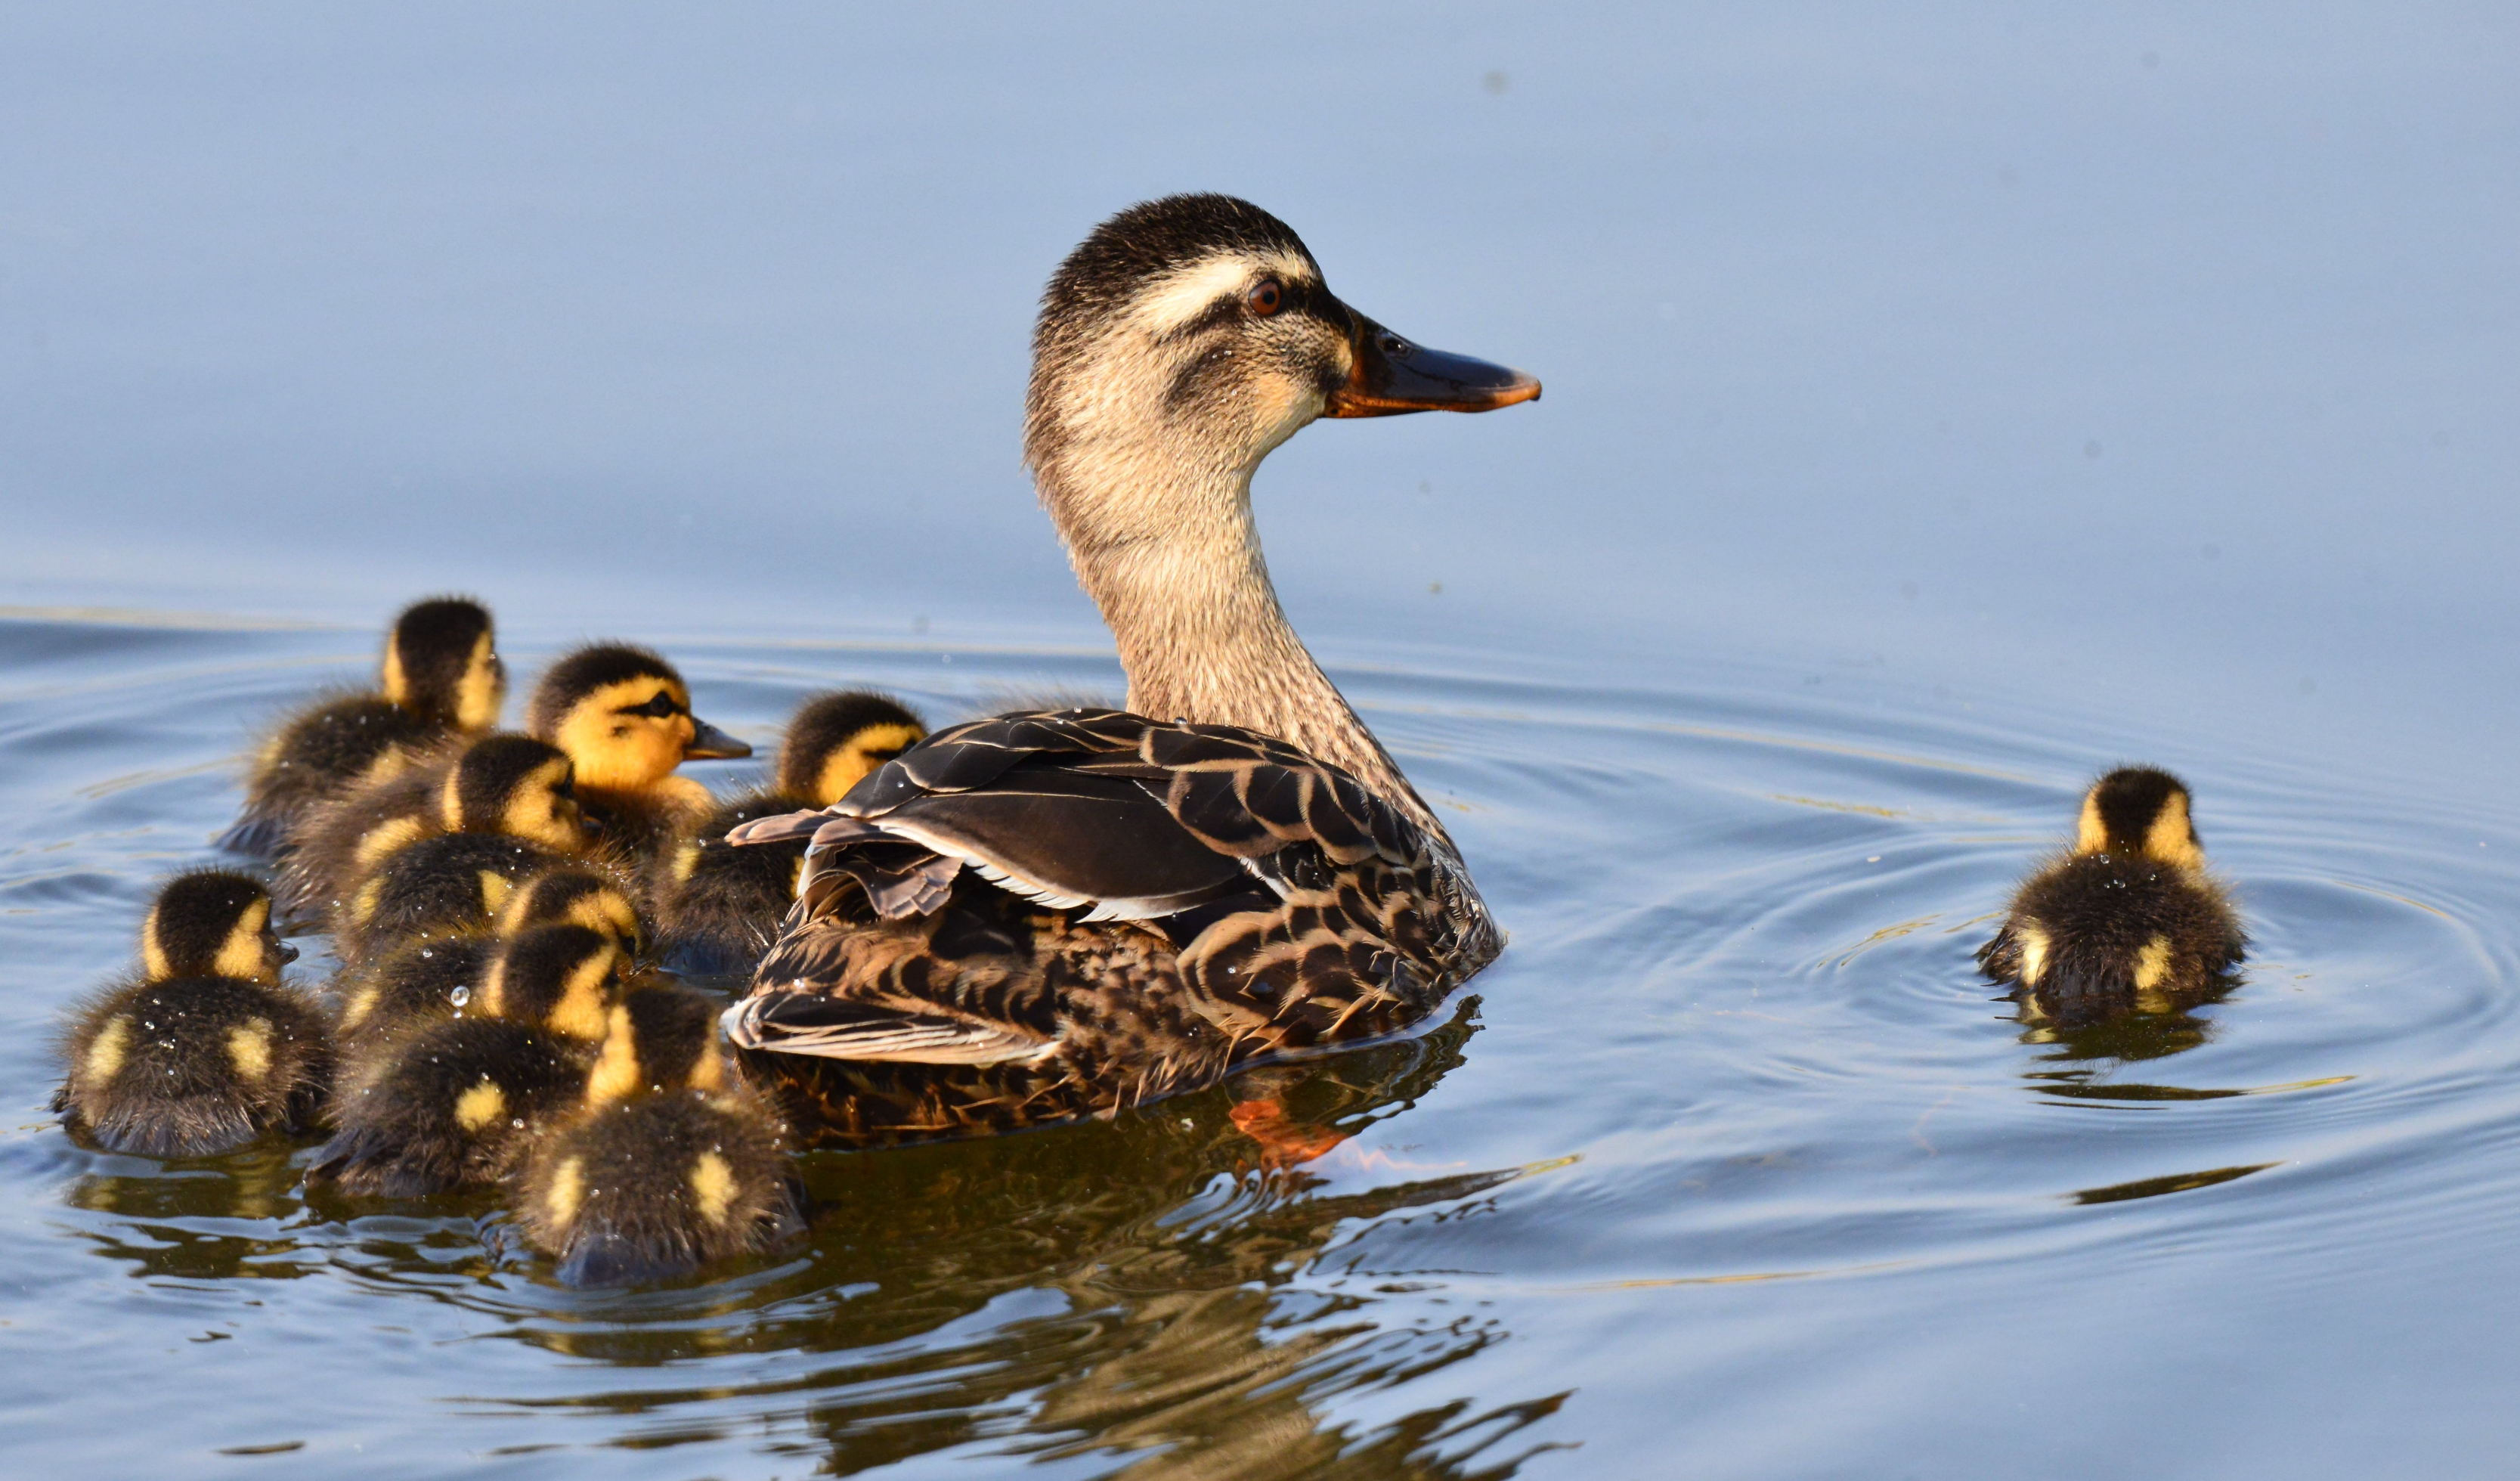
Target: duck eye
1267	299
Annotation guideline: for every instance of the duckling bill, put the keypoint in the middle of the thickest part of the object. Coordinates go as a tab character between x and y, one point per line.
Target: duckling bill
2128	917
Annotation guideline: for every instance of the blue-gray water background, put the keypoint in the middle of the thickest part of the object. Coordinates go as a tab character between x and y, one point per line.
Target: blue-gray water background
1941	405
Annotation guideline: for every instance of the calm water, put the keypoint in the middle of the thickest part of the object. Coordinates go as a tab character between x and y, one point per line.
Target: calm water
1943	404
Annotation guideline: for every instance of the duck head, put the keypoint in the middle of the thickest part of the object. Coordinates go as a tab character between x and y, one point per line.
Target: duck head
518	786
2139	812
565	978
834	739
212	924
443	660
624	716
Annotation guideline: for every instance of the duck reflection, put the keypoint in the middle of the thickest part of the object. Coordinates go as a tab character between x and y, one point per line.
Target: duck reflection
200	1219
1121	1290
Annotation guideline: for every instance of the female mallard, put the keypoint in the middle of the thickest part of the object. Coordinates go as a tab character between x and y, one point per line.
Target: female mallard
1043	916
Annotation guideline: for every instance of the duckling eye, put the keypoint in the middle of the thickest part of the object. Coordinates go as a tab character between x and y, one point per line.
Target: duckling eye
1267	299
659	707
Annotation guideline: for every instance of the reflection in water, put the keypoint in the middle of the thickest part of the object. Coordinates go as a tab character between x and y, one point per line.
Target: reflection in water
1118	1289
2175	1183
2148	1032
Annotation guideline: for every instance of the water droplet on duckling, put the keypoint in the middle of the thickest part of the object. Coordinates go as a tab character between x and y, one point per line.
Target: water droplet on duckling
460	995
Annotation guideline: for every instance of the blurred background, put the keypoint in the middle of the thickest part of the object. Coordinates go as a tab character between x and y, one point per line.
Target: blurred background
2161	358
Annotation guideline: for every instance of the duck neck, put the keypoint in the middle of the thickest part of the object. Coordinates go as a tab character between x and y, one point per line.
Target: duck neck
1202	635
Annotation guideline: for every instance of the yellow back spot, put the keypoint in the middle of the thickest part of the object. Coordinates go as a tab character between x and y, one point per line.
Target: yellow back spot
387	837
687	858
2171	839
356	1007
843	768
2152	964
105	1056
713	1184
480	1105
567	1190
2034	955
242	954
616	1073
249	1047
708	1072
495	889
482	689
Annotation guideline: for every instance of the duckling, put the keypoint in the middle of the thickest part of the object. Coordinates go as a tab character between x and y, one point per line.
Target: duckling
501	783
433	977
624	716
441	677
2127	917
459	1101
205	1048
667	1167
718	906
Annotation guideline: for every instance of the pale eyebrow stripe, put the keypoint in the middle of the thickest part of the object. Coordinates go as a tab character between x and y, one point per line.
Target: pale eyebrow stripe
1186	292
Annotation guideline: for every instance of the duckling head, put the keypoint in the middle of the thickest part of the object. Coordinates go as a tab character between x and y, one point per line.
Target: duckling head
624	716
443	660
517	786
212	924
561	978
2139	812
834	740
1181	342
658	1039
575	896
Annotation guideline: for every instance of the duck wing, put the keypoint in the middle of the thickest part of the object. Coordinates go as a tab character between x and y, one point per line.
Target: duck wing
1278	898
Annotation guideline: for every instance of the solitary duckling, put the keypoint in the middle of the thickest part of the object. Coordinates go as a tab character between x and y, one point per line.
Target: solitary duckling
458	1101
2126	918
435	977
624	716
207	1049
442	678
667	1168
503	784
717	905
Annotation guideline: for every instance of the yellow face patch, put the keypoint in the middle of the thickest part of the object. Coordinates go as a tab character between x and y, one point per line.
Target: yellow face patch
713	1186
105	1056
687	858
538	811
153	952
245	953
363	903
617	1074
624	752
709	1072
480	1105
483	689
582	1011
393	678
495	889
608	912
2171	840
250	1050
568	1191
846	767
2034	955
2091	834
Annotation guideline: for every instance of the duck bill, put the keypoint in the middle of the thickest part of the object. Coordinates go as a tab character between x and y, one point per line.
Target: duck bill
709	744
1393	376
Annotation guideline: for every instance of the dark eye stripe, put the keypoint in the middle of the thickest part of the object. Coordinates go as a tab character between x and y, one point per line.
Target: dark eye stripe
662	707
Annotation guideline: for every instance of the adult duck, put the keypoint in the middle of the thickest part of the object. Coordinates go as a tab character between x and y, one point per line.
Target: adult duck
1043	916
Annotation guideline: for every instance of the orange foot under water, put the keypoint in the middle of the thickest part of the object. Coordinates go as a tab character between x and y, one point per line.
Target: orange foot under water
1282	1142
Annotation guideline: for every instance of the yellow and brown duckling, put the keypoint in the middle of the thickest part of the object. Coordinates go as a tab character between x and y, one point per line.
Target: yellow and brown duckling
624	716
668	1166
458	1103
433	977
207	1048
2127	919
718	906
442	678
501	783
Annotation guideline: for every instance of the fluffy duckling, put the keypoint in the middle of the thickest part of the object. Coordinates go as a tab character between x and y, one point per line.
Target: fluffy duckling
433	977
440	678
2127	917
503	784
207	1048
458	1101
624	716
718	906
667	1167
